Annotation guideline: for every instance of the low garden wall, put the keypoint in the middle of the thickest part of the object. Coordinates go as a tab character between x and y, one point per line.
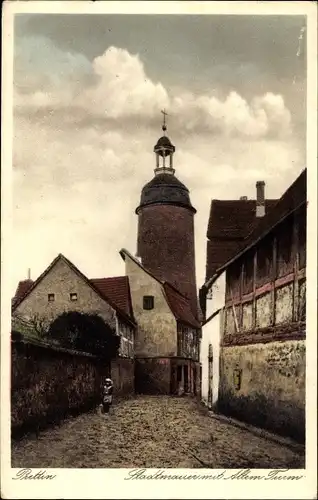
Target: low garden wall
48	383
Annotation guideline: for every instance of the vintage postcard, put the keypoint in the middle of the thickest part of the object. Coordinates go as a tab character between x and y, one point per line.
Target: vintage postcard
159	250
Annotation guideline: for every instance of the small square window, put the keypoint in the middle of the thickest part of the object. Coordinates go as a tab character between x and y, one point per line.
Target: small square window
51	297
73	296
148	302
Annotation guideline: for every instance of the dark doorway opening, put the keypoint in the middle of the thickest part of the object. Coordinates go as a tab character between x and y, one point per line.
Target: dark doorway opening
194	380
186	378
173	380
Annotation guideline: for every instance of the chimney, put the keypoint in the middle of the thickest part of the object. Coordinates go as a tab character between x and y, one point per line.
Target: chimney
243	198
29	274
260	199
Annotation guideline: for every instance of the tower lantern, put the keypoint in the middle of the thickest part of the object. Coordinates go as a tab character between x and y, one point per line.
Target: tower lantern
164	150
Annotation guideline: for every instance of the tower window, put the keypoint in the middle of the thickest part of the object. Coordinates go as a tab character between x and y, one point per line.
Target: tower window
148	302
73	296
51	297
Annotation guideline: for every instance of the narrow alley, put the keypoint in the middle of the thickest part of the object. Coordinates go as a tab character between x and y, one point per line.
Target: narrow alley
151	432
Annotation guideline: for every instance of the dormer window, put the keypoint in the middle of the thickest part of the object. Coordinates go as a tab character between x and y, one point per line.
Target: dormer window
73	297
148	302
51	297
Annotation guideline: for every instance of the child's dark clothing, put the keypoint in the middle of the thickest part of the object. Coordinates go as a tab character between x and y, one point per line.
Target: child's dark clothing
107	397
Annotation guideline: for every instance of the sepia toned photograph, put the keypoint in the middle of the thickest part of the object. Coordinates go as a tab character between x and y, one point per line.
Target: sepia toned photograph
159	242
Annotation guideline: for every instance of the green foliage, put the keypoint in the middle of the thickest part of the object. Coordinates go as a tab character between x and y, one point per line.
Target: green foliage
85	332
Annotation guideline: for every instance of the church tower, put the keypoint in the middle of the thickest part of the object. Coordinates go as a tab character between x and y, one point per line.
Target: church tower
166	224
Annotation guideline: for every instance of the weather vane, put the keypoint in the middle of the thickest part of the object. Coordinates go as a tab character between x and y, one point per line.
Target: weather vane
164	127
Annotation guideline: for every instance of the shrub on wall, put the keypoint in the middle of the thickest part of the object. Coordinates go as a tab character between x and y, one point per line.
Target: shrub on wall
85	332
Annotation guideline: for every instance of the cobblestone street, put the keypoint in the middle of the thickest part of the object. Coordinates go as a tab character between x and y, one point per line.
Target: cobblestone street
151	432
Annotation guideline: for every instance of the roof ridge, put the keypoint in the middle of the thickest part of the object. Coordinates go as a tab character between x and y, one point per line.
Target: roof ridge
192	321
77	271
123	251
39	278
165	282
108	278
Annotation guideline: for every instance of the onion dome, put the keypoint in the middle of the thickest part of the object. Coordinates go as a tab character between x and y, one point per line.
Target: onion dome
165	189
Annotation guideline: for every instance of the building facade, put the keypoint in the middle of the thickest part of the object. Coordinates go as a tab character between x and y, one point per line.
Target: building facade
262	351
230	223
63	288
167	338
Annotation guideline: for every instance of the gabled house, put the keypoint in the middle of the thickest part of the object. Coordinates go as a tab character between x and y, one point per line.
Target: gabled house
63	287
230	223
262	320
167	340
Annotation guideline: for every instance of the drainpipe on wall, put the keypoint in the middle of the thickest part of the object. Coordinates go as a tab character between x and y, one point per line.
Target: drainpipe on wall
260	199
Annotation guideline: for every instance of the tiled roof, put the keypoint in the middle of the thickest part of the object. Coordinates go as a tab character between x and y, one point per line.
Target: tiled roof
234	218
293	198
22	289
180	306
117	290
230	222
220	251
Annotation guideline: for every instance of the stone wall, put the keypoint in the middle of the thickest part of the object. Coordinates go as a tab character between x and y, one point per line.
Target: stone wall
123	375
166	246
48	383
62	281
156	334
264	384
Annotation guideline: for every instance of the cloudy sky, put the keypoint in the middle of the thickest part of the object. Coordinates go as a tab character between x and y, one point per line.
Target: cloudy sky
88	90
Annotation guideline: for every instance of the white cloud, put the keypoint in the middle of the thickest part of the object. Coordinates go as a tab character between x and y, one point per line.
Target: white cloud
234	116
121	89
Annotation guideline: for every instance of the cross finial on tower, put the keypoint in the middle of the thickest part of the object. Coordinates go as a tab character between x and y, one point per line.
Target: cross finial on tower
164	127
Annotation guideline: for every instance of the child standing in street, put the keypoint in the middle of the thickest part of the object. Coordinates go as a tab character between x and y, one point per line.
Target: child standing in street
107	395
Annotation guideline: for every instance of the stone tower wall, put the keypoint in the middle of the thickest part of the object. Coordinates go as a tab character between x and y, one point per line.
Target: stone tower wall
166	246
